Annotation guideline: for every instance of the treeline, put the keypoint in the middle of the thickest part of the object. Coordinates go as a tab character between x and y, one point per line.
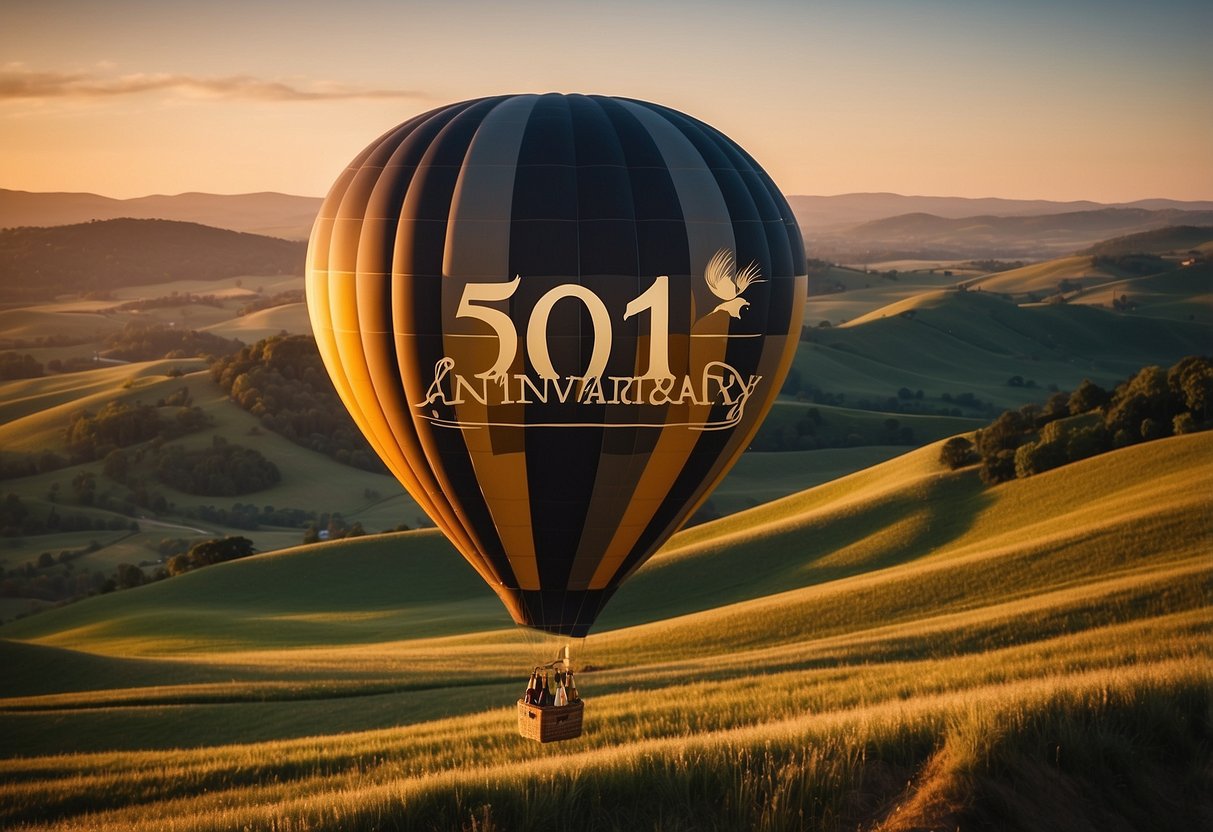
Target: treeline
249	517
1154	404
53	579
282	381
208	553
812	430
103	255
140	341
170	300
55	340
270	301
15	365
91	436
904	400
1170	238
335	527
221	470
17	519
1138	264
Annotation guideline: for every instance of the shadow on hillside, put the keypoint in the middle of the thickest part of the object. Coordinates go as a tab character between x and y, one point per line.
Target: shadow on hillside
895	529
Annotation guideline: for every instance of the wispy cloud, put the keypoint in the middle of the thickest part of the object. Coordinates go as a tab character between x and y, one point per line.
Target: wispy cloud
17	83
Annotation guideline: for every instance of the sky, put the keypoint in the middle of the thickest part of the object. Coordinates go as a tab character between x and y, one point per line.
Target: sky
1107	101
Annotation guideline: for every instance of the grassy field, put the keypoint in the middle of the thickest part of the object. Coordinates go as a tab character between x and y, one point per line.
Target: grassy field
250	328
899	649
913	333
863	640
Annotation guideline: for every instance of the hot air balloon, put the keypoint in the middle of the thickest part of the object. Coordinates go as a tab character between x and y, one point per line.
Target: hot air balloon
559	319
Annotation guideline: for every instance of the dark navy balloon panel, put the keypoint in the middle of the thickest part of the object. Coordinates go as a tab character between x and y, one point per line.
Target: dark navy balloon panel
559	320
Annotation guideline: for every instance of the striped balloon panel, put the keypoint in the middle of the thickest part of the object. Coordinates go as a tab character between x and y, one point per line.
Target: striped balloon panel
512	296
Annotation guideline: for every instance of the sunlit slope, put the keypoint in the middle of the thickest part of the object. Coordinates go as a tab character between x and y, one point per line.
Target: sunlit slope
951	341
379	588
912	514
1043	278
1181	294
28	324
910	643
291	318
906	537
34	411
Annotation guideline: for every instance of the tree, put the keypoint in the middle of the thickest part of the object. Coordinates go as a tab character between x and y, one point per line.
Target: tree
219	550
1087	397
1005	433
957	452
84	485
1087	442
998	467
1146	396
129	576
1191	381
1184	423
1057	407
1152	429
116	465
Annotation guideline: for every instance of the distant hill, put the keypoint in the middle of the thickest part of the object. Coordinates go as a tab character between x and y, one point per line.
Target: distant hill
1157	241
278	215
1029	236
100	256
817	214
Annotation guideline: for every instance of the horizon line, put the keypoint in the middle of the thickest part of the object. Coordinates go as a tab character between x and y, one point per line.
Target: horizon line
786	196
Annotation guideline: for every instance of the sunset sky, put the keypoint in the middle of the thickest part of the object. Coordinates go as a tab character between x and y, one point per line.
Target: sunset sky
1102	100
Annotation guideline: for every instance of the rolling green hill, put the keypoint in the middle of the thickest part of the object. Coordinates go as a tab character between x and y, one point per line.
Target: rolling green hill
1179	238
950	341
895	649
1043	278
291	318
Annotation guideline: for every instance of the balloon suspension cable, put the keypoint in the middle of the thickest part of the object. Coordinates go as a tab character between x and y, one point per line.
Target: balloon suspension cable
561	661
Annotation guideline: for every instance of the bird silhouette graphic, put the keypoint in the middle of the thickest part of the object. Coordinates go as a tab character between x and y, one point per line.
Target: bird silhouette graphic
727	283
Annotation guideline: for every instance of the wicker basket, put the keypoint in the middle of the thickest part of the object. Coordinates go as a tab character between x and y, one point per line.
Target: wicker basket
550	724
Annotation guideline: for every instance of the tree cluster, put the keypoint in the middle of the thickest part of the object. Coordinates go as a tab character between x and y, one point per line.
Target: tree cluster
17	519
170	300
249	517
17	464
270	301
15	365
283	382
58	339
334	527
44	582
92	436
221	470
142	341
1154	404
1138	264
813	430
209	552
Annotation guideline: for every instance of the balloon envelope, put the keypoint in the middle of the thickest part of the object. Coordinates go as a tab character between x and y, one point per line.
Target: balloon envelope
559	319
